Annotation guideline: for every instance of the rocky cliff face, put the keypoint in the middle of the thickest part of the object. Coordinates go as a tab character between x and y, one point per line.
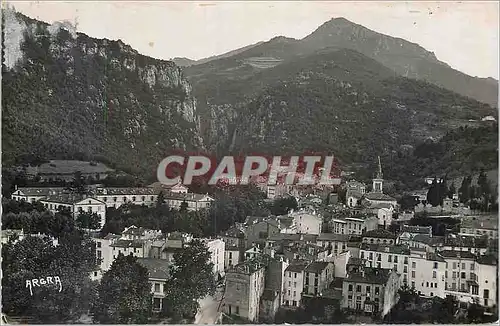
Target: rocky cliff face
68	95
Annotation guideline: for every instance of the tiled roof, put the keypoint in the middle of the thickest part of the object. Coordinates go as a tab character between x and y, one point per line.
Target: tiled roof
187	197
378	196
127	244
379	233
435	257
39	191
111	236
67	199
480	223
371	276
457	254
417	229
455	240
249	266
297	266
70	167
333	237
126	191
293	237
488	260
157	268
316	267
394	249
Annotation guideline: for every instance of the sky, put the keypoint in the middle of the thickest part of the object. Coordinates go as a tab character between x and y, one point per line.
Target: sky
463	34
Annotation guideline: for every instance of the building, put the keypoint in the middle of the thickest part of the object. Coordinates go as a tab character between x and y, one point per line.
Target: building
460	273
245	285
76	204
380	236
395	257
216	248
115	197
293	283
177	189
461	242
318	276
269	304
413	230
158	271
480	226
234	240
370	290
32	194
139	233
104	253
427	273
354	192
487	280
308	223
335	243
258	229
376	195
194	202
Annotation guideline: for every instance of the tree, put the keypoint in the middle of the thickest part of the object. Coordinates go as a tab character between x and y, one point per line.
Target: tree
408	202
451	191
433	193
34	258
464	190
281	206
124	295
88	220
160	200
78	184
191	279
183	207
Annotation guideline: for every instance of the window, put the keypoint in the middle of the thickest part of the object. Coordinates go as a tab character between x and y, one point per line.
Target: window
406	260
371	256
379	258
435	265
427	284
105	199
157	287
358	288
230	255
413	265
295	303
152	199
412	284
472	266
405	269
463	265
124	199
289	284
133	198
395	267
389	258
432	285
377	289
237	310
462	275
114	198
446	274
486	294
454	265
368	289
294	284
95	274
413	274
98	244
294	294
295	275
362	253
454	275
350	287
434	274
475	290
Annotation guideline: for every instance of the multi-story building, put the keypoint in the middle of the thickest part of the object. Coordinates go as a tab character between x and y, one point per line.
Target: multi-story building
194	202
379	236
335	243
216	248
470	243
370	290
234	239
158	270
64	170
361	224
245	285
104	253
139	233
177	188
115	197
480	226
427	273
258	229
395	257
318	276
76	204
293	283
338	226
32	194
460	268
487	280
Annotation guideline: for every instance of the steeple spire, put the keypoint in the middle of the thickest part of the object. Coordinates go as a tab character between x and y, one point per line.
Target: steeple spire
379	172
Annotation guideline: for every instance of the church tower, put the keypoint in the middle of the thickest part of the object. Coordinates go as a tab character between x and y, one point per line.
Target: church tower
378	180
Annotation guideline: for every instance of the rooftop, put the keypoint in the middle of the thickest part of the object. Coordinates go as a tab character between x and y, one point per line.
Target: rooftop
68	199
480	223
127	244
157	268
126	191
249	267
417	229
395	249
297	266
488	260
379	233
293	237
41	191
378	196
457	254
316	267
370	276
188	197
333	237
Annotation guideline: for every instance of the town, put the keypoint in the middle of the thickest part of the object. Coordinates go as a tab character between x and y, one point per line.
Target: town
334	254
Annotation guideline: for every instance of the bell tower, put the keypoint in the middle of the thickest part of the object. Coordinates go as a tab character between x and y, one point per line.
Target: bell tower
378	180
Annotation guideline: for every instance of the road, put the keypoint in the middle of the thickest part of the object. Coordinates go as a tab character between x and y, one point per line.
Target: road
209	309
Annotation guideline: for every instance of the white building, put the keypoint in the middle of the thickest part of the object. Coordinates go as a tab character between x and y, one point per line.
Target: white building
115	197
394	257
32	194
139	233
487	280
427	273
293	284
308	223
76	204
216	248
158	270
194	202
